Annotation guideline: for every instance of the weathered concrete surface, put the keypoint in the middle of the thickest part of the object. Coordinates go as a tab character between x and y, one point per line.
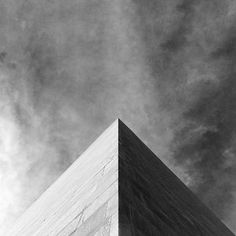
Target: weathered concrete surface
84	200
93	199
153	201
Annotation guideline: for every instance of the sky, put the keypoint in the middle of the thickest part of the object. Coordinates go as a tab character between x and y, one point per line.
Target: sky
69	68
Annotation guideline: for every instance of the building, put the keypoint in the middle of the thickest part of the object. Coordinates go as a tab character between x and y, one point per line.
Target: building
118	187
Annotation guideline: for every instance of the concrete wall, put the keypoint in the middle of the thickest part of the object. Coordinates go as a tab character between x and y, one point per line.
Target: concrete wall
143	199
153	201
84	200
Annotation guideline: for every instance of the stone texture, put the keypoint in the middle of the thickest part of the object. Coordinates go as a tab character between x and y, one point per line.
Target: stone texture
118	186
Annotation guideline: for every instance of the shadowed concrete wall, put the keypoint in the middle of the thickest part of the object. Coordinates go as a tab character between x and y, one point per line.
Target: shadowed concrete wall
153	201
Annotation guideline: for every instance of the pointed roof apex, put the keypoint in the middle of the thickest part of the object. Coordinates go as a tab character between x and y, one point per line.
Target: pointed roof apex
120	122
117	120
118	186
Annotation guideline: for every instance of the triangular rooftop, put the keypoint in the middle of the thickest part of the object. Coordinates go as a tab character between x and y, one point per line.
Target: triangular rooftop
118	187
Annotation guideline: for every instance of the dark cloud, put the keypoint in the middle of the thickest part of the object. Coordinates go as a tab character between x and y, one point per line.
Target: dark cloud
177	38
2	56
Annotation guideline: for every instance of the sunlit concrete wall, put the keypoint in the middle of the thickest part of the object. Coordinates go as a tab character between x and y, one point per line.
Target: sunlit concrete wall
84	200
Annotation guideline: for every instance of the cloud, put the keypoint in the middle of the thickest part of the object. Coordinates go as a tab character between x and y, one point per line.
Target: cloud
69	68
192	63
